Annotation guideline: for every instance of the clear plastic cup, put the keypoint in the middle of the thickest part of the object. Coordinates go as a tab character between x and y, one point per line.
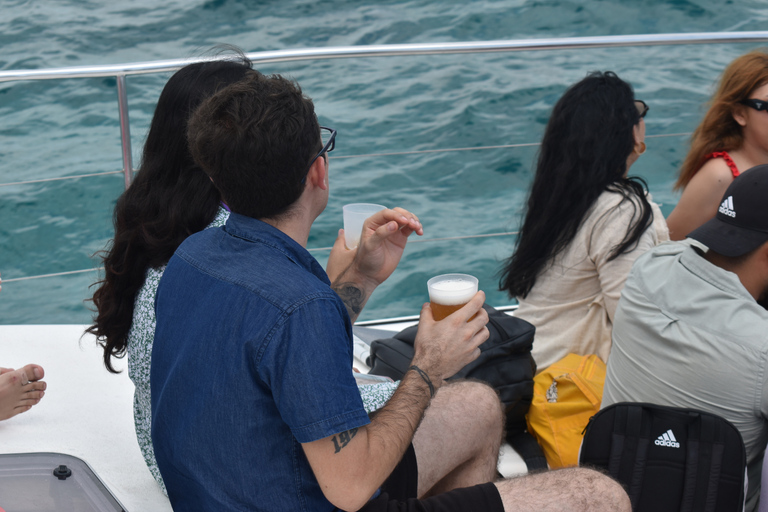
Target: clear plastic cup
354	217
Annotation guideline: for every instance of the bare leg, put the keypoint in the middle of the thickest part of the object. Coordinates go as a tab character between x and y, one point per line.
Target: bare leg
572	489
457	443
20	389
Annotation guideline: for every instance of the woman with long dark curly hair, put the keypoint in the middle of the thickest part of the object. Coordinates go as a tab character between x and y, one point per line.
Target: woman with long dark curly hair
732	138
169	199
586	221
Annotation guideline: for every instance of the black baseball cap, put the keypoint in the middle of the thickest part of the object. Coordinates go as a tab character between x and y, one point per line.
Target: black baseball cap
741	223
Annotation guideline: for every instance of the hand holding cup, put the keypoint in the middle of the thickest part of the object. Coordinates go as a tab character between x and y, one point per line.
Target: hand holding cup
354	217
444	347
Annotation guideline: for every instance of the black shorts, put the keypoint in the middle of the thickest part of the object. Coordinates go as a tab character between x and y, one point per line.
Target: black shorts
398	494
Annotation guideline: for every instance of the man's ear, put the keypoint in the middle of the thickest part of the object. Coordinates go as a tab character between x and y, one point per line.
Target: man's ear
763	251
318	173
761	262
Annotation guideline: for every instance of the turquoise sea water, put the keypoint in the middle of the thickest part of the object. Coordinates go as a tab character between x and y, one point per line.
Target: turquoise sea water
379	105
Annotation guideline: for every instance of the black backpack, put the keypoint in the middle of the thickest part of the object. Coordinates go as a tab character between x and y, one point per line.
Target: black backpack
668	458
505	363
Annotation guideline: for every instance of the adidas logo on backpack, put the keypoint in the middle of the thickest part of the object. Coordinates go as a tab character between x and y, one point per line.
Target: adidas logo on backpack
707	465
667	439
727	207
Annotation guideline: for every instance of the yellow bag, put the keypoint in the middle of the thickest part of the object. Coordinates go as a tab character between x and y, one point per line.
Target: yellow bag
565	396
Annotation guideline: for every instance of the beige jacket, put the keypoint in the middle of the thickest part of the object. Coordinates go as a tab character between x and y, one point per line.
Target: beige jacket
573	301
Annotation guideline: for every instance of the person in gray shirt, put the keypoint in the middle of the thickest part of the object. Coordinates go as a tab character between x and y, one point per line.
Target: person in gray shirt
691	327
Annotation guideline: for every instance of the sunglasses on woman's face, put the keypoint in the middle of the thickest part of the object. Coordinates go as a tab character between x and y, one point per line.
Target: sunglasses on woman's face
642	108
755	104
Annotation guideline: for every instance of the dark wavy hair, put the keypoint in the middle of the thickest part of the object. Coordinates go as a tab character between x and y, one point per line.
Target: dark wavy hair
169	199
583	153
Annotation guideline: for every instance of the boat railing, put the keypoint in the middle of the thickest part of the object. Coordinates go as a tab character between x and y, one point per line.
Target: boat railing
121	71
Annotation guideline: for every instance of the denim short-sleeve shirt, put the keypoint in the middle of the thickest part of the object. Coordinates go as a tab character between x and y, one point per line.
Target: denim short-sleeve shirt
252	356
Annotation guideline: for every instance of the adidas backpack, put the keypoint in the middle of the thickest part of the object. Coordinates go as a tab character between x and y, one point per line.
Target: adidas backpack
668	458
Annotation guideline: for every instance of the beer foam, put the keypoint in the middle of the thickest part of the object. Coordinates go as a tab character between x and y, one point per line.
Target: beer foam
452	291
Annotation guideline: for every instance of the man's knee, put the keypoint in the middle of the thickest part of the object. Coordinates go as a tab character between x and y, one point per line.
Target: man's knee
574	489
473	399
595	491
471	390
608	494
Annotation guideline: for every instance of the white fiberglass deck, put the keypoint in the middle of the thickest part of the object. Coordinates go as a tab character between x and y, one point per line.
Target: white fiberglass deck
88	412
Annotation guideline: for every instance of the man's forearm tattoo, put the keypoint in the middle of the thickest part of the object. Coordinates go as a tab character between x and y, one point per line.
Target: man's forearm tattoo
343	439
352	296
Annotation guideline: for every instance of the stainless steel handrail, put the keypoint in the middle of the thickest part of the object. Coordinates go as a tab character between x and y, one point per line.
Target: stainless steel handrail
348	157
390	50
311	250
121	71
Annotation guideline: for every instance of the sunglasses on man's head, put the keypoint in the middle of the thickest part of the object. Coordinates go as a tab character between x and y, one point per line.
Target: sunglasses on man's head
755	104
642	108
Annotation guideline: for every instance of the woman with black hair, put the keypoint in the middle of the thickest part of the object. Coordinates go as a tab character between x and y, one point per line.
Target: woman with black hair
170	199
586	221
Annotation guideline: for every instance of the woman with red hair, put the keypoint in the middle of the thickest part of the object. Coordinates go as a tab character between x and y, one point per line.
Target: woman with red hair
732	138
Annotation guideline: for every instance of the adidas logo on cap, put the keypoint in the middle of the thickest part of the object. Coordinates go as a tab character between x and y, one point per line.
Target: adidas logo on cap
668	438
734	235
727	207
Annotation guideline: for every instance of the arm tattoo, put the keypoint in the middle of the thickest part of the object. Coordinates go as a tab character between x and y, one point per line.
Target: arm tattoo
352	297
426	379
343	439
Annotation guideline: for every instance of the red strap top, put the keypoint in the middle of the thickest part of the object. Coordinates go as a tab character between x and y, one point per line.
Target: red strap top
728	160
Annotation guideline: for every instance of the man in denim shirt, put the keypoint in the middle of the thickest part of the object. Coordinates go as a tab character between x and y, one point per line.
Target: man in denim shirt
253	400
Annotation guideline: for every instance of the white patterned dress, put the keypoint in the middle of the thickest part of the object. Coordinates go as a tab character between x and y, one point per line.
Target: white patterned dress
140	339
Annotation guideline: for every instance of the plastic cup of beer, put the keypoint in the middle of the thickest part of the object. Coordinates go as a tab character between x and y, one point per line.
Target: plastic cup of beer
449	292
354	217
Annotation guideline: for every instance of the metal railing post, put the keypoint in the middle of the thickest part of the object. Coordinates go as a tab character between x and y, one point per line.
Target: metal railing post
125	129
